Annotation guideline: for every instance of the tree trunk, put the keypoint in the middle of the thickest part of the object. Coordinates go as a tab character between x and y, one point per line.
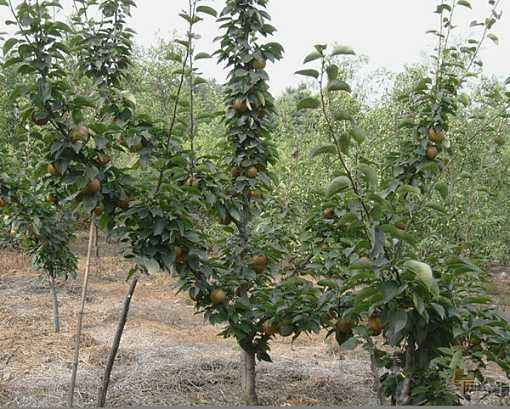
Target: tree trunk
375	373
70	397
56	315
103	389
248	378
247	358
404	394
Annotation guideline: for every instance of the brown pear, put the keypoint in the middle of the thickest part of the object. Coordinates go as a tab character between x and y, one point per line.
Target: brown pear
344	325
93	187
328	214
252	172
432	152
218	296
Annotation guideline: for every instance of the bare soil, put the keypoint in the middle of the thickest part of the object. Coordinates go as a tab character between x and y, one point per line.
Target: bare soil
168	355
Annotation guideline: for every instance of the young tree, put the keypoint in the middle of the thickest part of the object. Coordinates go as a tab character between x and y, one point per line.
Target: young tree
373	278
248	120
38	223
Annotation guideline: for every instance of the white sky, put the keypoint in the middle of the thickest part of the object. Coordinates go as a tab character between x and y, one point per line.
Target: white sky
391	33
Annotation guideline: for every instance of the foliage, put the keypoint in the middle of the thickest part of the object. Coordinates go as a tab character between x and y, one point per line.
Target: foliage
326	208
365	236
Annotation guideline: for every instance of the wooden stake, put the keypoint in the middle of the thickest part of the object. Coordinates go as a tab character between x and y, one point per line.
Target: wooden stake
96	245
103	389
70	397
56	315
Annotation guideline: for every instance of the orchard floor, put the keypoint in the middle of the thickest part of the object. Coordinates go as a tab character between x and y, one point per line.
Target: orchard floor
168	355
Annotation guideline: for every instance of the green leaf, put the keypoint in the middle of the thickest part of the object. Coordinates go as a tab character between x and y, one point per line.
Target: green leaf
207	10
332	72
309	73
390	290
11	42
462	265
320	47
398	320
342	116
188	18
419	304
174	57
338	85
424	274
464	99
442	188
442	7
314	55
328	283
342	50
406	123
322	149
309	103
202	56
457	360
370	174
410	189
423	84
350	344
151	265
482	299
184	43
494	38
437	208
399	234
338	184
344	140
263	356
80	101
464	3
489	22
358	134
439	309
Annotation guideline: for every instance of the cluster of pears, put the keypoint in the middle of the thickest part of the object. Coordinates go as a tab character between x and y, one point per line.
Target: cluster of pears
251	172
218	296
437	136
258	263
374	324
258	63
92	187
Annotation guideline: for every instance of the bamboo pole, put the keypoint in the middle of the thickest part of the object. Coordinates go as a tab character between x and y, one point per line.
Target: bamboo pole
103	389
70	397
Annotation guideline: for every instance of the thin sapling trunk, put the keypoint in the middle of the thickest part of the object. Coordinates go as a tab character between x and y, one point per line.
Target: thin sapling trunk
248	378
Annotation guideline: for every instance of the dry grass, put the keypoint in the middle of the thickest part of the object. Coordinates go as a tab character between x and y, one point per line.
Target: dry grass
168	356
